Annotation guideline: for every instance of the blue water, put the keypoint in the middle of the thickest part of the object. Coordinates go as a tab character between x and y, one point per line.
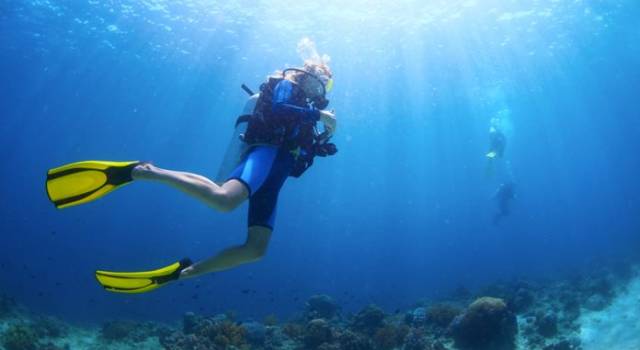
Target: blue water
402	212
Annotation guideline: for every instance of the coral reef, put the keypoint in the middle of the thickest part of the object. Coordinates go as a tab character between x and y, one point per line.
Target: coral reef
486	324
131	331
321	306
368	320
20	337
350	340
204	333
317	332
50	327
6	306
565	314
255	332
441	314
390	336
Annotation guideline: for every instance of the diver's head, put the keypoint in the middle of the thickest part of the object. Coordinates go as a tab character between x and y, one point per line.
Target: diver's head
318	81
321	71
314	79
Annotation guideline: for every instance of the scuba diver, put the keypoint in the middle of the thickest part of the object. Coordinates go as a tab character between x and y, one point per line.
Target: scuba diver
504	195
279	139
497	143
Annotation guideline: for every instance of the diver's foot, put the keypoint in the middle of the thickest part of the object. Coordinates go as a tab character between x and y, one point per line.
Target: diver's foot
145	171
187	272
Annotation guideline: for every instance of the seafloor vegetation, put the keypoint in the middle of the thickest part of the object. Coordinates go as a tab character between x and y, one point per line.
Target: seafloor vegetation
570	313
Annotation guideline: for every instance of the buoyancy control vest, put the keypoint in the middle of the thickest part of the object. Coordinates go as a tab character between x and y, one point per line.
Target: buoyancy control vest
300	137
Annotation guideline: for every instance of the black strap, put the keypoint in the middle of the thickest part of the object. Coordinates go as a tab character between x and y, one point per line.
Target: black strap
243	119
247	89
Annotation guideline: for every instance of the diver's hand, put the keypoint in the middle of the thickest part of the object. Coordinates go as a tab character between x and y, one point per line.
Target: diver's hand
329	120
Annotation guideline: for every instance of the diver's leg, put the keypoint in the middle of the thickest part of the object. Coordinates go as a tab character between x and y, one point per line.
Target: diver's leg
262	213
252	250
224	198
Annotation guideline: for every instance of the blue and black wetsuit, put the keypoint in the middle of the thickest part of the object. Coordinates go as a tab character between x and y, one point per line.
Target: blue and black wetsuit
265	168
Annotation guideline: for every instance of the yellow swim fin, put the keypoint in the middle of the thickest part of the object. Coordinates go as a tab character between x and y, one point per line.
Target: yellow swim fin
141	282
82	182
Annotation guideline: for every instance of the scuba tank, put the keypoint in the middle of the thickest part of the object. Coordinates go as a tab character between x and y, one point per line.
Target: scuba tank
237	147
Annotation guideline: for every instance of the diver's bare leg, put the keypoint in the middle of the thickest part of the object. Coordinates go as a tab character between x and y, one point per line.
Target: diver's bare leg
224	198
252	250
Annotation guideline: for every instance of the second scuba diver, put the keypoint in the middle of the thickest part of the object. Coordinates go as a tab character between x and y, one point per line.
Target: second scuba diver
504	195
280	140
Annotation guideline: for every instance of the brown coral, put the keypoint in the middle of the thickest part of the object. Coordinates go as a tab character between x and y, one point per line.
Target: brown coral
442	314
486	324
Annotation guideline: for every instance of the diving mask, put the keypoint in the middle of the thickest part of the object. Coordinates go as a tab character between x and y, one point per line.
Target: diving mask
313	85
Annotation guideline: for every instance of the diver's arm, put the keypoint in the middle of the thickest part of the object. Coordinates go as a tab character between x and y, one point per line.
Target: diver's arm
281	105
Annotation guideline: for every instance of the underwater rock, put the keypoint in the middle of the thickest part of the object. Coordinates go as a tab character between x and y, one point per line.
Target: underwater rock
316	333
20	337
522	300
486	324
255	332
321	306
117	330
573	344
46	326
6	306
596	302
123	330
369	319
547	325
570	305
599	285
441	314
